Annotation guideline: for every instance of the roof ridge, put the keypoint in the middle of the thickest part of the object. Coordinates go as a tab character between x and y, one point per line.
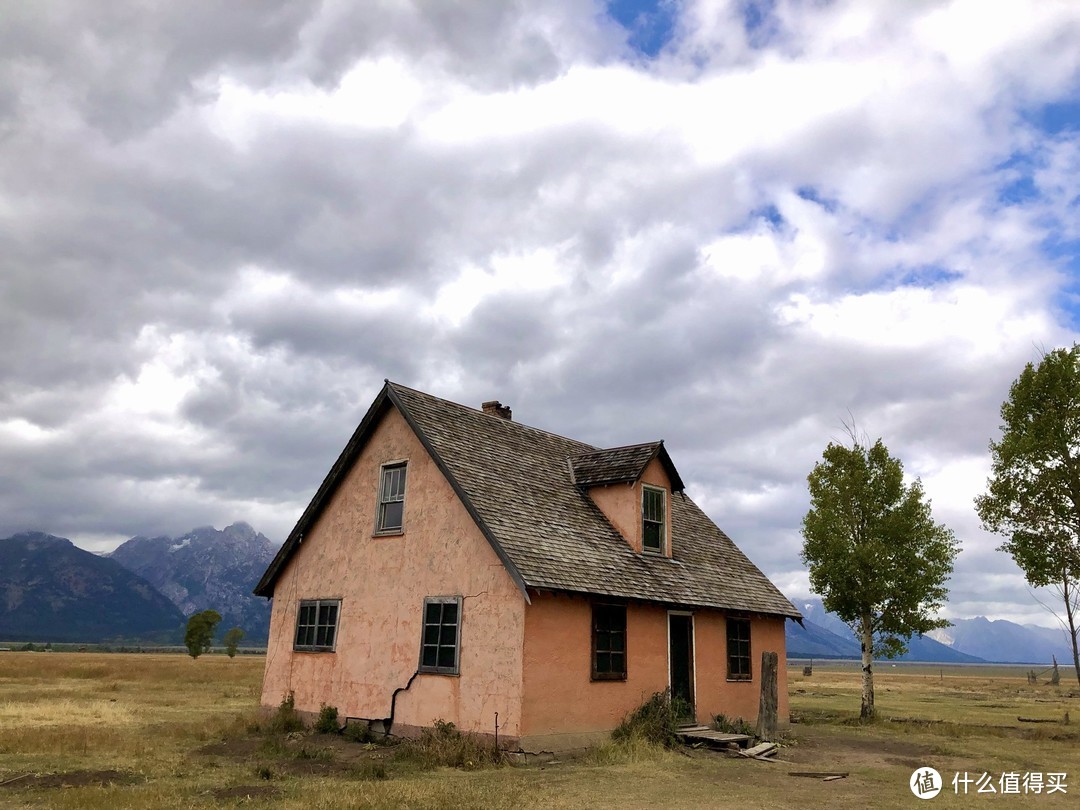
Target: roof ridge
634	446
592	448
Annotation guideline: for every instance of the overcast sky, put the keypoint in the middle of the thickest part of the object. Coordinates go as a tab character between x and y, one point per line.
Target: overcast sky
732	225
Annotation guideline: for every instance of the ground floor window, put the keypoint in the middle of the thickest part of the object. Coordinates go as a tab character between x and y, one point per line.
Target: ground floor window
738	649
316	625
440	645
609	642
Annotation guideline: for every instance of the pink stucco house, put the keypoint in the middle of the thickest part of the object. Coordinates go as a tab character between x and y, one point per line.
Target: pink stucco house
458	565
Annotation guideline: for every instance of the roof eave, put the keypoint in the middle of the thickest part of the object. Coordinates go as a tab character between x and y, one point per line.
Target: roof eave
322	495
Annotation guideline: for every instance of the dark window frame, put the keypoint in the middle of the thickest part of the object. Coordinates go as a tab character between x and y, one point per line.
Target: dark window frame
649	518
317	623
433	647
739	656
390	494
608	624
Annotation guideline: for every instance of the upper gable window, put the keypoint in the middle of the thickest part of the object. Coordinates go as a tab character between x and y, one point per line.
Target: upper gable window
391	499
652	519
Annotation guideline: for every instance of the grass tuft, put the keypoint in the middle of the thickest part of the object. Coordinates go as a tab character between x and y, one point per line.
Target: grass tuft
445	746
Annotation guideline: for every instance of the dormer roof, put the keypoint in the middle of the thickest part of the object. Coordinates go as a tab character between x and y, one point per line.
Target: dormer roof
513	481
621	465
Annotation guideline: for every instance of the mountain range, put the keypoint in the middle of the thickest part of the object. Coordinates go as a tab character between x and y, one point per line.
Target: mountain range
207	568
51	590
825	635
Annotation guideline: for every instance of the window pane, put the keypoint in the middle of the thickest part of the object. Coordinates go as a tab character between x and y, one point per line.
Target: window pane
449	613
446	657
449	635
603	662
431	634
433	613
431	655
618	663
617	642
652	535
397	484
392	514
321	635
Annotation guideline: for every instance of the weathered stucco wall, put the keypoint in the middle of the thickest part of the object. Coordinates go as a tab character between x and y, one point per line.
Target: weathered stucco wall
382	582
563	707
621	504
716	694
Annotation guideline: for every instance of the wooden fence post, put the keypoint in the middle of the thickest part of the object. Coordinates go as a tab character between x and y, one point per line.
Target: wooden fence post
766	722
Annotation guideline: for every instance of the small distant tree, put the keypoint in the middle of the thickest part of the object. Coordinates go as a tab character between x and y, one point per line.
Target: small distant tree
874	553
1033	494
232	640
200	632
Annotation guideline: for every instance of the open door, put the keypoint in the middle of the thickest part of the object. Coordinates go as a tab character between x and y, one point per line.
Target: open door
681	661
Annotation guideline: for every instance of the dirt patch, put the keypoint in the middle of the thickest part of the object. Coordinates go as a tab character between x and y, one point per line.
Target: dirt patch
246	792
70	779
234	748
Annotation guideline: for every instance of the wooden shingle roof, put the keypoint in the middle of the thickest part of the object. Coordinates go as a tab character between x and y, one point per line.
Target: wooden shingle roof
619	465
516	483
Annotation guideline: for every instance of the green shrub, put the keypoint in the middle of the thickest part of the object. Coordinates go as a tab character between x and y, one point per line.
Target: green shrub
735	725
286	719
444	745
654	721
327	723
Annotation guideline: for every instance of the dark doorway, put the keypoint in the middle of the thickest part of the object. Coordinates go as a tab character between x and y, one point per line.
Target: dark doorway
681	656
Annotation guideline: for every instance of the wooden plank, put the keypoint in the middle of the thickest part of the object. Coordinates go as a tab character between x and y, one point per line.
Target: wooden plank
766	724
759	750
819	774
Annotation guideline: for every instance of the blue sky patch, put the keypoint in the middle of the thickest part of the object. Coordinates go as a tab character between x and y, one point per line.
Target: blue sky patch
650	23
759	21
1061	116
929	275
770	213
812	194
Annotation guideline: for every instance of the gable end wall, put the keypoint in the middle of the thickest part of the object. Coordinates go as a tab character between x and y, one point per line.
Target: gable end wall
382	582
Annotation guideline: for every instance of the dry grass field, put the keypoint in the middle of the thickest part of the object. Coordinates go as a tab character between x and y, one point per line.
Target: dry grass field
89	730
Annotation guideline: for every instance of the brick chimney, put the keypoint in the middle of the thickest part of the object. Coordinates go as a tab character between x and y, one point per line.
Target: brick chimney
495	408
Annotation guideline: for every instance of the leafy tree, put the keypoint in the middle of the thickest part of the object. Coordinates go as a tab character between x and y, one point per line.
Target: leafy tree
1033	494
875	555
232	640
200	632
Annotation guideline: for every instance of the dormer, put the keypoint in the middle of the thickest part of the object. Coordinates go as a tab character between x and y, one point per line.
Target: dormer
632	486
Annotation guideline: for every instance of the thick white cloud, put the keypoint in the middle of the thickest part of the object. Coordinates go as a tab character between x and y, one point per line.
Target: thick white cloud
223	227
